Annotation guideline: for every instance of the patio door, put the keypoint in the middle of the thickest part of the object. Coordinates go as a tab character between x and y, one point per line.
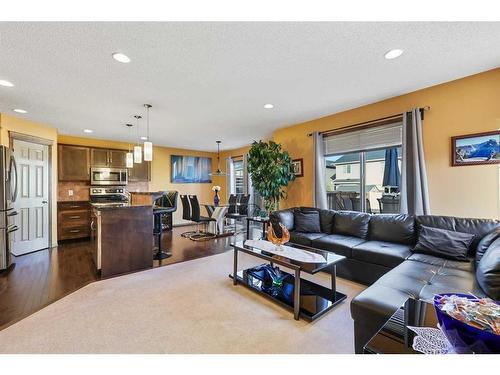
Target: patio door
363	169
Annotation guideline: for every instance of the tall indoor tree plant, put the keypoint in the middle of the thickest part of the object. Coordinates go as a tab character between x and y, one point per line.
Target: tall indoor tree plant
270	169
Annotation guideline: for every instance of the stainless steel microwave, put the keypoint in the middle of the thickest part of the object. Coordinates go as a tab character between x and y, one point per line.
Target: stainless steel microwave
108	176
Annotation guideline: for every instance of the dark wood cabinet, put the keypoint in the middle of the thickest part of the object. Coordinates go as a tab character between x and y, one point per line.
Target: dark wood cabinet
117	158
73	163
73	220
101	157
140	172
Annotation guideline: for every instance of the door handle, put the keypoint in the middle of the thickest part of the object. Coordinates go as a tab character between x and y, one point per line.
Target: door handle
13	213
45	202
13	229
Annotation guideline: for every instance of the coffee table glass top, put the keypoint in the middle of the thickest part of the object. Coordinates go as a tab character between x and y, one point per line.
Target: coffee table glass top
312	268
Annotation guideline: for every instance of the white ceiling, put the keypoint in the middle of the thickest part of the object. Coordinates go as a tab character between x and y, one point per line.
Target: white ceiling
209	81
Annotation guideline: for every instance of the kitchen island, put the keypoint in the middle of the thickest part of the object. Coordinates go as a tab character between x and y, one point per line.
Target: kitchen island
122	238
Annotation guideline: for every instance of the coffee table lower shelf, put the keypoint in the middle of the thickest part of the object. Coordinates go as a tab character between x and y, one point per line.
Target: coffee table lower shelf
315	300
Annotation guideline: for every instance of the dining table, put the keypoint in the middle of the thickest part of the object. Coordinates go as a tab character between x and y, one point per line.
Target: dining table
217	212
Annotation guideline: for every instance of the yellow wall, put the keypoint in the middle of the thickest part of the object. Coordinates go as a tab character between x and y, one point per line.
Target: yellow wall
468	105
18	125
160	169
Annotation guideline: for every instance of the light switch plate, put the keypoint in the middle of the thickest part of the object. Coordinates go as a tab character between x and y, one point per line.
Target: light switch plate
70	192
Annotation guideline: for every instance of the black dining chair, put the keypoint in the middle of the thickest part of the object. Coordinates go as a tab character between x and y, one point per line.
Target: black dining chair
241	211
197	218
186	214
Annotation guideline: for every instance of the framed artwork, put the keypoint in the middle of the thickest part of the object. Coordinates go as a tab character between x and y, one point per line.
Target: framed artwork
476	149
190	169
298	167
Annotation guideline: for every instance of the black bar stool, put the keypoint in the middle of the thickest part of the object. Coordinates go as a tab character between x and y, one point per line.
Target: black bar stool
157	231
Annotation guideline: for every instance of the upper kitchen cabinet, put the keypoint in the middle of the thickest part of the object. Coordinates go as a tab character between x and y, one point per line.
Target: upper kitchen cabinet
140	172
73	163
101	157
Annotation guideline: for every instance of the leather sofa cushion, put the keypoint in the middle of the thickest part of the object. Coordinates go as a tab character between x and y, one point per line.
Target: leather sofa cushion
412	278
351	223
443	243
488	271
441	262
304	238
337	243
485	242
397	228
284	217
478	227
382	253
307	221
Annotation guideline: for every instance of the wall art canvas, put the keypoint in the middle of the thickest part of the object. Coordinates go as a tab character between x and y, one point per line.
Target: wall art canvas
474	149
190	169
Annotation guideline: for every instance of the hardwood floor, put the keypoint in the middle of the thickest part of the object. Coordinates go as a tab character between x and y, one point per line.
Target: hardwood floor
45	276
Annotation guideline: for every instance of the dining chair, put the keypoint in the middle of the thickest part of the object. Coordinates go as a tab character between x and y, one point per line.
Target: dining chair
197	218
186	214
241	210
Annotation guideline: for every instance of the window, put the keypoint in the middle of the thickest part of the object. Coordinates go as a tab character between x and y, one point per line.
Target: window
238	177
364	163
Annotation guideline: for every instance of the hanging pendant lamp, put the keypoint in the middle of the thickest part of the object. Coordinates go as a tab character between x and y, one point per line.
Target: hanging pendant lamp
129	160
218	172
137	148
148	145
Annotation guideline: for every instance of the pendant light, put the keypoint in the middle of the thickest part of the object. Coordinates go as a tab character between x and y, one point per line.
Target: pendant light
148	145
137	148
218	172
129	160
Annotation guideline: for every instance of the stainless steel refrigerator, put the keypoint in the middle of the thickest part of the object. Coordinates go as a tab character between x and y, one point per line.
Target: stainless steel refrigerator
8	195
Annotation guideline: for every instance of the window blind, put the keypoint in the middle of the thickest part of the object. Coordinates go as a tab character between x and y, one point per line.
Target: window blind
365	139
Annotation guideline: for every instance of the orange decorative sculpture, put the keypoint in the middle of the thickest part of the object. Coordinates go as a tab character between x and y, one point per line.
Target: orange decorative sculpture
275	240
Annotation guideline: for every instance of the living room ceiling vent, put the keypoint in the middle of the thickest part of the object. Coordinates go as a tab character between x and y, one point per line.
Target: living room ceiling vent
148	145
218	172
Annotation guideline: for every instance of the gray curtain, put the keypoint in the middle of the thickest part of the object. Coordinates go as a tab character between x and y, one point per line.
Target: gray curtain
320	200
414	190
231	189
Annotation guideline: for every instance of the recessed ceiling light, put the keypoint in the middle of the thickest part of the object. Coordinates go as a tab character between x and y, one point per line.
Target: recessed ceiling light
144	138
5	83
88	131
393	54
118	56
19	110
268	106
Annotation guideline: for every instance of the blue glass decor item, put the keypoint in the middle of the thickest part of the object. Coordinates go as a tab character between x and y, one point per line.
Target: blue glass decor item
464	337
272	278
216	199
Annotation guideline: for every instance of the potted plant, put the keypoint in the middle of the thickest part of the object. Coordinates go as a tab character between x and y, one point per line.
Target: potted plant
270	169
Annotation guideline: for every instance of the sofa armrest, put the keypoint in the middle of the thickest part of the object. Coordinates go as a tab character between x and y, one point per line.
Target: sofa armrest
284	217
485	243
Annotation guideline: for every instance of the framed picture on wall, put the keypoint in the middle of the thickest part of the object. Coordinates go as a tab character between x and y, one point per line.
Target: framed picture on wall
476	149
298	167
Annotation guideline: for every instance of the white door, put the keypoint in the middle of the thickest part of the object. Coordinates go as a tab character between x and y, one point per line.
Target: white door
32	202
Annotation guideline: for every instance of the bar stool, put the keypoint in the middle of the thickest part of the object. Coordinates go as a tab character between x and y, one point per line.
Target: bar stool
157	231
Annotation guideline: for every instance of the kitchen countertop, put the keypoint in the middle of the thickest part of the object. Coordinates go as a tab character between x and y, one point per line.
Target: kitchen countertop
118	207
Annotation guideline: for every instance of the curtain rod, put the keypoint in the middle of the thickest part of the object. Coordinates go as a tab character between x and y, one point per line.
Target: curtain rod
422	110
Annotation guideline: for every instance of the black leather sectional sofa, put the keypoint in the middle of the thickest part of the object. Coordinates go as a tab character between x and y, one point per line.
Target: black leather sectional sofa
379	251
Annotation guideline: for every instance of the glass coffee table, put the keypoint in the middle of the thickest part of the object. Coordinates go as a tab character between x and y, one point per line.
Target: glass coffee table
307	299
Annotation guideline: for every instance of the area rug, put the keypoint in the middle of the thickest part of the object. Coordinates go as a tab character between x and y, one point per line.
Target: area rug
189	307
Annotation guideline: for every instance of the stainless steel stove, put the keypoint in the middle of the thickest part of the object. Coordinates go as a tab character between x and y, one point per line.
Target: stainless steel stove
116	196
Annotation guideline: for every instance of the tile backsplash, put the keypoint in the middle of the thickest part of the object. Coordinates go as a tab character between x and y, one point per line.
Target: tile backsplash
81	190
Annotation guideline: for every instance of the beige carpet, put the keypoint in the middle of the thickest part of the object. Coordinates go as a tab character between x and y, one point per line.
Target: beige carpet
190	307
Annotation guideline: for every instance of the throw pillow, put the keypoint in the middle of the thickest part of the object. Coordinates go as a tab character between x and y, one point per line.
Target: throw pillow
488	271
485	243
443	243
307	221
